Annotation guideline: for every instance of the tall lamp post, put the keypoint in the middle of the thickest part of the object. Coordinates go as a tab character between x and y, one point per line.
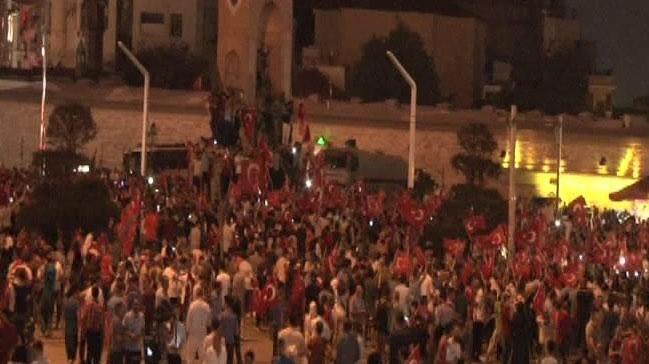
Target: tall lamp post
145	107
45	21
413	117
512	182
559	135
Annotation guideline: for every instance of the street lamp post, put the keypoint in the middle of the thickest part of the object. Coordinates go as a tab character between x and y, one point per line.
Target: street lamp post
145	111
559	136
512	182
44	32
413	117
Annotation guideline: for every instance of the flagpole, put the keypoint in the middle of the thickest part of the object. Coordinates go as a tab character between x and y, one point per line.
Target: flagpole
512	182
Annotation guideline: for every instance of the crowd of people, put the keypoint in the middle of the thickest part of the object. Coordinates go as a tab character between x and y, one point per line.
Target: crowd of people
331	273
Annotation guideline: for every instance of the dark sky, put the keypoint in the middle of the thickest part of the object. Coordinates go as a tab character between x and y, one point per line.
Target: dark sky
621	30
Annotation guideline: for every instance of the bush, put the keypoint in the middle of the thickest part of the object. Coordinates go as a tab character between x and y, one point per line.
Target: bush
374	78
65	205
171	66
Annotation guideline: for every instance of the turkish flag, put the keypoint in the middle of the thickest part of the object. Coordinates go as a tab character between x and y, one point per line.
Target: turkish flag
253	176
151	226
496	239
249	121
334	196
402	264
276	198
487	268
374	205
538	304
521	267
411	212
475	224
454	247
526	238
236	191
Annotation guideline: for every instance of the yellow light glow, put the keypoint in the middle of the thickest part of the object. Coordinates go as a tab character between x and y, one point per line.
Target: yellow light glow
636	167
519	154
625	162
595	188
602	169
545	168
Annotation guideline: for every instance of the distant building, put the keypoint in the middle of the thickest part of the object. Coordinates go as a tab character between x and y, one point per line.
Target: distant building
453	38
137	23
601	89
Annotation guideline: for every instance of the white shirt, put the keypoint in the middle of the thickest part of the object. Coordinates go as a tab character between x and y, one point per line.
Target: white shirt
199	316
213	357
426	287
226	283
453	352
549	360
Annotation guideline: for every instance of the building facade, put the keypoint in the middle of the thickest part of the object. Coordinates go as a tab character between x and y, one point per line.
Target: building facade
247	28
137	23
456	43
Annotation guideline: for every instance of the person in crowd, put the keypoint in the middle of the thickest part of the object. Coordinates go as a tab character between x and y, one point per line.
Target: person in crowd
199	316
348	349
134	326
118	335
92	326
71	309
38	353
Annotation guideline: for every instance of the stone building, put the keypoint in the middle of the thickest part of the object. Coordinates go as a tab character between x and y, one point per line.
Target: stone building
137	23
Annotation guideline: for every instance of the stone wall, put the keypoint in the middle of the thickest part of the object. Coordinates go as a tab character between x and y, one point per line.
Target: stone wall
377	127
118	130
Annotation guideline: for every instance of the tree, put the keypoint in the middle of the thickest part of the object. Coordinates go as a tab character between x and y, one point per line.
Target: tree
474	162
60	206
374	78
70	127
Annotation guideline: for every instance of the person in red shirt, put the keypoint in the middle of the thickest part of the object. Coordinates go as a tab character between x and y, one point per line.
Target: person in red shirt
631	347
563	325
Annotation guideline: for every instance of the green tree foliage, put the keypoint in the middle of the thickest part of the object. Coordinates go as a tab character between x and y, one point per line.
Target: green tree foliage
374	78
474	162
64	205
170	66
424	184
70	127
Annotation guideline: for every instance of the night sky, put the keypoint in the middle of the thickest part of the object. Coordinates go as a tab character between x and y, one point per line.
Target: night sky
621	30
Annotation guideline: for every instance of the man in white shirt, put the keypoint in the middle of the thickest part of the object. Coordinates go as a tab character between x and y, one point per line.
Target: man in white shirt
293	341
199	317
226	282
